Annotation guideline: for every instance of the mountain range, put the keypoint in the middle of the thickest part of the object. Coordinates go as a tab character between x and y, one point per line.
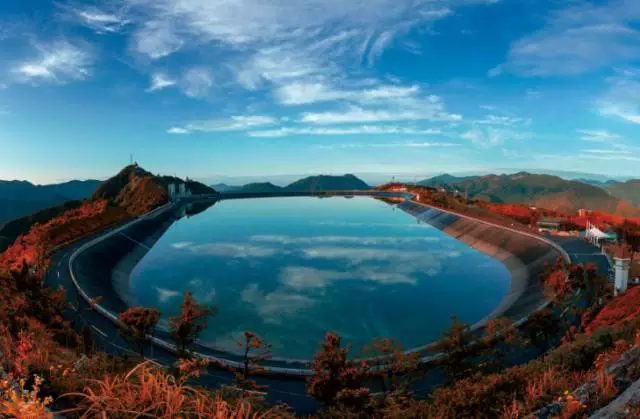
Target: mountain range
546	191
311	183
18	198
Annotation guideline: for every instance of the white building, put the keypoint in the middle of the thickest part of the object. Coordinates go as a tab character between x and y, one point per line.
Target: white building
180	192
621	265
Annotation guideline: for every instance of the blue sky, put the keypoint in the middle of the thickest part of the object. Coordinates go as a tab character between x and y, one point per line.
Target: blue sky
215	88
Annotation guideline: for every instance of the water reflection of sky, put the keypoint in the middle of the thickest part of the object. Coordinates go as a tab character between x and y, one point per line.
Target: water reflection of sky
291	269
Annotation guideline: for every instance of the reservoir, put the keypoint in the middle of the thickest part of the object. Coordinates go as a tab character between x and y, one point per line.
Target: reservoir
291	269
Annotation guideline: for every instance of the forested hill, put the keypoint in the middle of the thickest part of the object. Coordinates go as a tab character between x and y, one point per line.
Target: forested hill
328	183
546	191
629	191
319	183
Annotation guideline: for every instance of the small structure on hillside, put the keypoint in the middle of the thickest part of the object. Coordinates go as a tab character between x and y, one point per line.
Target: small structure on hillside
621	263
598	237
549	224
180	191
584	212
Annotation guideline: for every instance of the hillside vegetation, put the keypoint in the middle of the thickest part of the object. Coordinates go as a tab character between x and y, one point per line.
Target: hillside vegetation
551	192
629	191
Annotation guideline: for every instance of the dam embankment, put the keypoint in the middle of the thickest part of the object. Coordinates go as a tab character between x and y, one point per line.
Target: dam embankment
524	254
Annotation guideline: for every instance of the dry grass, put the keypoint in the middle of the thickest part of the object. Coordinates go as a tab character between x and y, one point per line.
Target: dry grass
16	401
148	392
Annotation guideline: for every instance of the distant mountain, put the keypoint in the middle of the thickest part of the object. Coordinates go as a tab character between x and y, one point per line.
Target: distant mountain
26	191
546	191
223	187
259	187
19	198
629	191
599	183
327	183
445	180
308	184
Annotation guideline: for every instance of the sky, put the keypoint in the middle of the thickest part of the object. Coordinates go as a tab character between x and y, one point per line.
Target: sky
217	89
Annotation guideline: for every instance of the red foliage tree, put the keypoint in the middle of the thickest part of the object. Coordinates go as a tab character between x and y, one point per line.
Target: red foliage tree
255	350
185	328
389	361
139	325
336	380
455	345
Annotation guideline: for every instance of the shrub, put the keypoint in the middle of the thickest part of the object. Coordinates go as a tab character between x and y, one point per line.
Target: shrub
336	381
140	323
189	323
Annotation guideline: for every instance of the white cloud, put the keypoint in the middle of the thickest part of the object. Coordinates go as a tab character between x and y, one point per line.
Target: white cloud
245	23
359	130
160	81
490	137
621	98
58	62
277	305
501	120
598	136
157	39
304	278
625	112
178	130
606	151
358	255
304	93
197	82
395	145
431	109
101	22
364	240
181	245
533	94
581	38
234	123
108	19
165	295
610	157
232	250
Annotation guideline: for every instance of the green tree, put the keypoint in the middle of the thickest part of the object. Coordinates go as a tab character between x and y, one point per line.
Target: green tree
139	323
185	328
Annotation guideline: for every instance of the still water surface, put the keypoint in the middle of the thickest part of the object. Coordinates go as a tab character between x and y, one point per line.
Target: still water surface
291	269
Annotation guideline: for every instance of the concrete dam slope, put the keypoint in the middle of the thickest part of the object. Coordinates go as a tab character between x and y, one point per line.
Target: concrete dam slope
524	255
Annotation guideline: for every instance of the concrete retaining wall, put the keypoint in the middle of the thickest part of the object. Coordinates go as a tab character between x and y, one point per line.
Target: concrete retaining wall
524	254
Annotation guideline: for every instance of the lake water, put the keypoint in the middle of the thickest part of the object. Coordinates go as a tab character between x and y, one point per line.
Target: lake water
291	269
